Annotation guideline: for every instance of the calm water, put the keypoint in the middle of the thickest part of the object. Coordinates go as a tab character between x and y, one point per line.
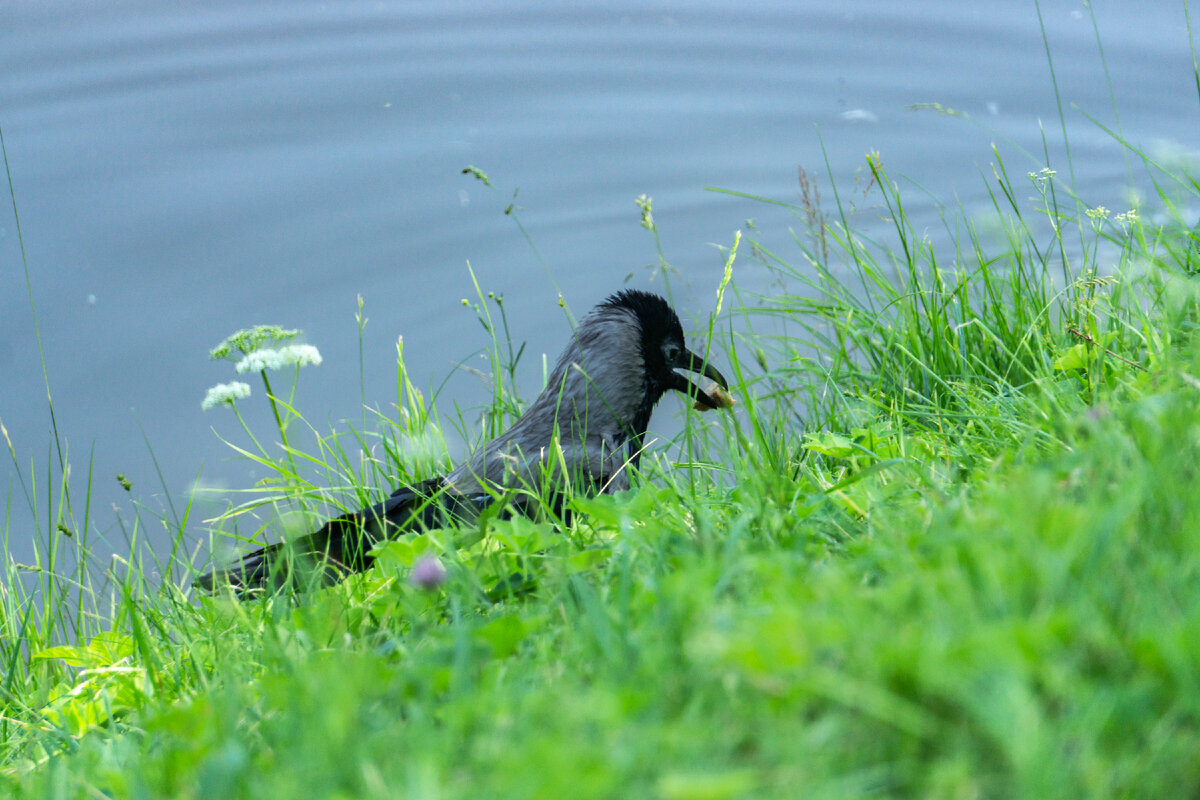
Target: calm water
185	169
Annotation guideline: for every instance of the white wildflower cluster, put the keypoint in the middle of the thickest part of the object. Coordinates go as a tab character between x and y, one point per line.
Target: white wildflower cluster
1127	217
224	393
1097	213
1042	177
299	355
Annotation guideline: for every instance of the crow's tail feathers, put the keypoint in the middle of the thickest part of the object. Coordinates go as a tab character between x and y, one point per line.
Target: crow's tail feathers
341	545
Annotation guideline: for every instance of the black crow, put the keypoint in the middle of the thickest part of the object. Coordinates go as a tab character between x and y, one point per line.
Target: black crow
589	422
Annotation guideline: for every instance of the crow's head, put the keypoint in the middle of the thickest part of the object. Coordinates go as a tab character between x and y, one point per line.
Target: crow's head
599	396
664	351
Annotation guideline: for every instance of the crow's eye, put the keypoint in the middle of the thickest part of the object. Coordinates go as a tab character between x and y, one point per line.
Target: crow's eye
671	352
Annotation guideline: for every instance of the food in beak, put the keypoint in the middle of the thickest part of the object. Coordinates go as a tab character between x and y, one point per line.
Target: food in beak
717	394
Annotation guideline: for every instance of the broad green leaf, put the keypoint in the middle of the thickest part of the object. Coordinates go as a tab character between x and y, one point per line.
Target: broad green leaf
503	634
827	443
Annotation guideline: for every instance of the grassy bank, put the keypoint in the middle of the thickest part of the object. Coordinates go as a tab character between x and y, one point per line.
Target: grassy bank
947	545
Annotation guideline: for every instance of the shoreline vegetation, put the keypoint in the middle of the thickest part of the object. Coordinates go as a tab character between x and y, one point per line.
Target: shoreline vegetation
946	545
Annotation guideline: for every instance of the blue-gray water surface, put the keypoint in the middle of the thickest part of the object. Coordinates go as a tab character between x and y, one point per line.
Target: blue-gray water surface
185	169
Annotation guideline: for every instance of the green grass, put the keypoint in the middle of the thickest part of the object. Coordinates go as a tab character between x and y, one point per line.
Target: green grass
948	545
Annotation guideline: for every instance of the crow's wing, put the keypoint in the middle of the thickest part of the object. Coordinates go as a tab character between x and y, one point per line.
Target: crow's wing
343	544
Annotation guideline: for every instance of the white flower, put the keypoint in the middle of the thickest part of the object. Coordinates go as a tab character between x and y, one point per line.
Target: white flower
224	393
1042	177
264	358
300	355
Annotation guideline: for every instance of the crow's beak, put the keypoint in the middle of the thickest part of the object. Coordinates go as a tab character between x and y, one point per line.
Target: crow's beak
694	363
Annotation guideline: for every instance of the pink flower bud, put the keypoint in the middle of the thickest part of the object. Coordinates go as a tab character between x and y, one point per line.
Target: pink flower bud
427	573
